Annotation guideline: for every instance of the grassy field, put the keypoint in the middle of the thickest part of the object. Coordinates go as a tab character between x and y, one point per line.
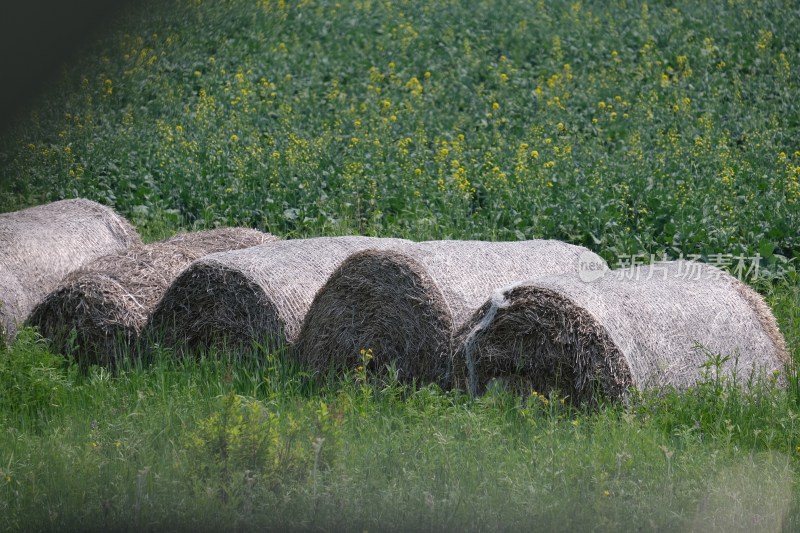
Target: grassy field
630	128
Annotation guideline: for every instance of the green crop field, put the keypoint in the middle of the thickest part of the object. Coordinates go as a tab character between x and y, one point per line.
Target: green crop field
634	129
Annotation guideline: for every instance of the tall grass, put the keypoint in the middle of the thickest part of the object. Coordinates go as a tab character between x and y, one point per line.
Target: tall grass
211	443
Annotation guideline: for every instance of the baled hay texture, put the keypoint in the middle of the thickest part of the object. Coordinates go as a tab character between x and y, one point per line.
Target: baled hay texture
649	327
108	301
41	245
258	295
405	305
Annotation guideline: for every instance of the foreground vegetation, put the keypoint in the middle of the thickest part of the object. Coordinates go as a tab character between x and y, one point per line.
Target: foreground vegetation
631	128
212	443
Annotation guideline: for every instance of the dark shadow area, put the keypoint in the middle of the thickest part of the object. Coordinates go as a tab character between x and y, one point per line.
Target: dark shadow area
38	36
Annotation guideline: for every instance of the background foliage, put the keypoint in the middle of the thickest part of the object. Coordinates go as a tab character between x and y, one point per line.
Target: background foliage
624	127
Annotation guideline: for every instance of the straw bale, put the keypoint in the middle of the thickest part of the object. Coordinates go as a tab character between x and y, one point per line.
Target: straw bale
259	295
651	326
405	305
41	245
107	302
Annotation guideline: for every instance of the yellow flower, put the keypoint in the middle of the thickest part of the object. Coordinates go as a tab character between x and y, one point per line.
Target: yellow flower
535	154
414	86
495	106
234	138
360	368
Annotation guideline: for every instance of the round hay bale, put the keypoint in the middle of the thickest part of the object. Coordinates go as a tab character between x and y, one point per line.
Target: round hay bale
257	295
41	245
406	304
12	300
647	327
107	302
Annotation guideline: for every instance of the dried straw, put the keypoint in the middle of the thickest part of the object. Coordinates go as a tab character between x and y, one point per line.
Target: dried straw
107	302
648	327
41	245
258	295
405	305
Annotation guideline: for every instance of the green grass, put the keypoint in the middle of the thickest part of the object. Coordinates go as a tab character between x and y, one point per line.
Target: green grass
213	444
661	128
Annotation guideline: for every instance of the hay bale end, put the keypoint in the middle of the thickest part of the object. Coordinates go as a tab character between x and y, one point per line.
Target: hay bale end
108	301
647	327
42	244
405	305
255	296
